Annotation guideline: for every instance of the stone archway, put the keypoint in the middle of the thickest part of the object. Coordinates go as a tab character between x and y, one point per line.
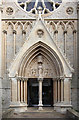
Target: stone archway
40	62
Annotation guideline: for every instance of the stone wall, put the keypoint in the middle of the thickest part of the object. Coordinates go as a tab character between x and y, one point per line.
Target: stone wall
16	27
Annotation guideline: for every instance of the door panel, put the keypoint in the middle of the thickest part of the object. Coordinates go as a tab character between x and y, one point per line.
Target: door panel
47	92
33	92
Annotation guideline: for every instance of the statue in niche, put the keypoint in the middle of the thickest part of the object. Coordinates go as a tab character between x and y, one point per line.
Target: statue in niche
40	67
40	70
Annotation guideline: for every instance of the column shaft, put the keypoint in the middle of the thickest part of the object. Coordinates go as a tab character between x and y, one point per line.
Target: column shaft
19	90
40	94
14	32
58	90
55	91
62	90
25	91
5	48
65	37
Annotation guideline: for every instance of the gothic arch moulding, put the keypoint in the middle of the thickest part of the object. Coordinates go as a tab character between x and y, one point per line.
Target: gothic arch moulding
50	64
23	66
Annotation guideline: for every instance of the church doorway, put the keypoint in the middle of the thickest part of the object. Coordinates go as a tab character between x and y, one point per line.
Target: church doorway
33	92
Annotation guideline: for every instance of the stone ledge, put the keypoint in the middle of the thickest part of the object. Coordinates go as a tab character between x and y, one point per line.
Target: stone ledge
62	107
73	114
18	104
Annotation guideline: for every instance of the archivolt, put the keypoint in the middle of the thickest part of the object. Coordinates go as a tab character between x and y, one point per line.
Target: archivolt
47	52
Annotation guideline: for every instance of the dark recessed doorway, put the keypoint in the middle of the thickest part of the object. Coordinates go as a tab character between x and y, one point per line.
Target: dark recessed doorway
47	92
33	92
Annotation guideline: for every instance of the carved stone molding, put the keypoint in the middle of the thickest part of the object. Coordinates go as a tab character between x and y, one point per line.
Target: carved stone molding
69	10
9	11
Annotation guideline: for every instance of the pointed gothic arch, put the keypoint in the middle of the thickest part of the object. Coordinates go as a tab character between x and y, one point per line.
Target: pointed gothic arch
47	53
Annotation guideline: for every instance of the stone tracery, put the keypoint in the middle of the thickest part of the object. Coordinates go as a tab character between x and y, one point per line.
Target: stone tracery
33	5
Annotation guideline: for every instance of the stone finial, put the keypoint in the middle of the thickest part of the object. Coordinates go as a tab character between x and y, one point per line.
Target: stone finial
39	12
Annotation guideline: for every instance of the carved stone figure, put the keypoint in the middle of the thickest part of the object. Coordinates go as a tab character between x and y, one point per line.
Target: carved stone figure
40	70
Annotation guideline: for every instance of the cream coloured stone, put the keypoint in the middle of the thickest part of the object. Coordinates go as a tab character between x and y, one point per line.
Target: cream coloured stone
24	38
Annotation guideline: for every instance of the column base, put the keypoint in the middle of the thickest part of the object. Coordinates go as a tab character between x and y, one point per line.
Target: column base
40	107
18	104
62	107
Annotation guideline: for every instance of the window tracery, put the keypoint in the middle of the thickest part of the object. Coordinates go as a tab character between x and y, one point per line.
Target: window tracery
32	6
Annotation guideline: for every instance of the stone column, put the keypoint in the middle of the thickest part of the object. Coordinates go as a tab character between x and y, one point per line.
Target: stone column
55	90
14	33
18	81
5	48
62	90
65	37
75	45
25	90
40	93
21	90
67	90
56	36
59	91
